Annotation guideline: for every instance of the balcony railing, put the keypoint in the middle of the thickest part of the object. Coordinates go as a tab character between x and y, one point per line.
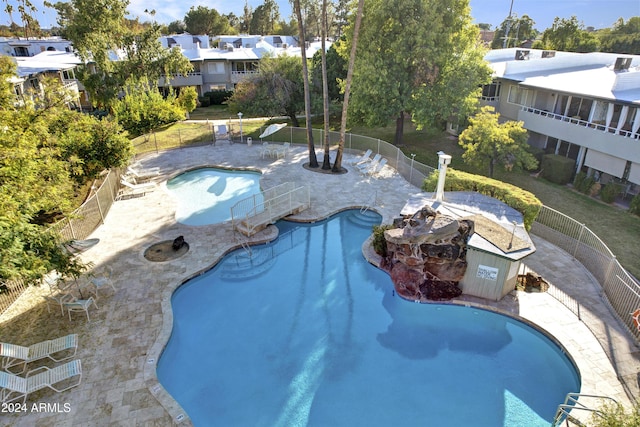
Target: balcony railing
583	123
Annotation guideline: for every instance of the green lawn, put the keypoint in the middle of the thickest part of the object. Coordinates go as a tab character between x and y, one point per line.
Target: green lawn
617	228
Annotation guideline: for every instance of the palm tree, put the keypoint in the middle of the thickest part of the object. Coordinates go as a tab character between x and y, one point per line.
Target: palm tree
313	161
337	165
326	164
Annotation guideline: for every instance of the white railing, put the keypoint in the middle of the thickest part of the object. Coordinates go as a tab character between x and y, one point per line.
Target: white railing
252	214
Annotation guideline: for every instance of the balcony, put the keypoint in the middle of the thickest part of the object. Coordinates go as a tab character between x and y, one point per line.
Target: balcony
620	143
191	79
237	76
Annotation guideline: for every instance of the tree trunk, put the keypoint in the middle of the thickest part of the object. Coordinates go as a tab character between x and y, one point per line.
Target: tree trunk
313	160
294	120
337	165
399	129
326	164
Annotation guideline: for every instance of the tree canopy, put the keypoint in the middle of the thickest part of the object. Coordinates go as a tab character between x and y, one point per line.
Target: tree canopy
46	152
513	32
624	37
277	90
568	35
488	143
431	72
204	20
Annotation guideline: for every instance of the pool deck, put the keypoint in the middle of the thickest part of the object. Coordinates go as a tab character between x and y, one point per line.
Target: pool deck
121	344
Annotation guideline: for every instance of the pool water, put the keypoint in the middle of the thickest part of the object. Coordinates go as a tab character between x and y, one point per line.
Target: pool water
206	195
307	333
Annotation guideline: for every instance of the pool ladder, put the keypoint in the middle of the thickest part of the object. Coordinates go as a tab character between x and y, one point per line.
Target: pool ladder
370	203
241	239
571	403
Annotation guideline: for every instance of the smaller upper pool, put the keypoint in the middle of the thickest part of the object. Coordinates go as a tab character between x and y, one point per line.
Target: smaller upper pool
206	195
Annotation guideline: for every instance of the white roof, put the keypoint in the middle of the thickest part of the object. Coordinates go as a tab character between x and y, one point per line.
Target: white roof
45	62
586	74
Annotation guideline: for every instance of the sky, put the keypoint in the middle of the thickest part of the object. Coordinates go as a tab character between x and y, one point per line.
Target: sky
592	13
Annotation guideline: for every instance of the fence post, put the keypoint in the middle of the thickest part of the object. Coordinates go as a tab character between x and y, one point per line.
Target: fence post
179	139
578	240
73	233
99	207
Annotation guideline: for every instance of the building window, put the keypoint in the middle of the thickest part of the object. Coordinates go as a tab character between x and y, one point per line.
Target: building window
491	92
520	96
215	68
21	51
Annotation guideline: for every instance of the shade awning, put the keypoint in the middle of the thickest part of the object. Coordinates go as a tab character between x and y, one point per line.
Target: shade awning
605	163
634	173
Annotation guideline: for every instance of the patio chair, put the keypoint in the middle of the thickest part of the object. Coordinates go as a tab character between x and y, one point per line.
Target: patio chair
221	132
364	167
80	305
362	159
102	281
13	387
57	298
14	355
131	189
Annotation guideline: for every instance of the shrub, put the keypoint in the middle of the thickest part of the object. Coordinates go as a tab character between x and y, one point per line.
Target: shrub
583	183
379	243
204	101
609	192
557	169
614	415
218	97
578	181
523	201
634	206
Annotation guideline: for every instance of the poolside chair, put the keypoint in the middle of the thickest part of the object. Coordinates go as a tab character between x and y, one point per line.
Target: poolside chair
80	305
14	355
131	189
57	298
364	167
102	281
13	387
221	132
362	159
143	175
377	167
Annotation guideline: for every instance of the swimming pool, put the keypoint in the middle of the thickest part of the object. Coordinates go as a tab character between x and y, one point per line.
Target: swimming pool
307	333
206	195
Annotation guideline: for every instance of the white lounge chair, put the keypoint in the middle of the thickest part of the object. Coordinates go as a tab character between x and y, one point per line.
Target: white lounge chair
375	168
362	159
364	167
13	387
80	305
57	349
221	132
131	189
142	175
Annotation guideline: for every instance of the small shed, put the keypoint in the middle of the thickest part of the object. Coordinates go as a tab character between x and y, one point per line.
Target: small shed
497	246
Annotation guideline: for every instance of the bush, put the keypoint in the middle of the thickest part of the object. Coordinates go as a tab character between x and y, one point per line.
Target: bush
583	183
218	97
517	198
614	415
204	101
634	206
379	243
557	169
609	192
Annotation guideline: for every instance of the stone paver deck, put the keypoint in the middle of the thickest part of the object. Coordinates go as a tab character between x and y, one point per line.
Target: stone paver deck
121	344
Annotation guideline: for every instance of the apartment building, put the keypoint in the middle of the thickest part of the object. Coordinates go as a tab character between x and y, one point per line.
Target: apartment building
219	63
25	47
584	106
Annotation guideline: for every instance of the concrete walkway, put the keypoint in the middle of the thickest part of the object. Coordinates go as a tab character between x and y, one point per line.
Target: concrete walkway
121	344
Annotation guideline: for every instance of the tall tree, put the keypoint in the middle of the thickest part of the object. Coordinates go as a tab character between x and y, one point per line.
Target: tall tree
203	20
568	35
514	31
431	73
98	30
265	17
624	37
337	164
46	150
326	163
313	160
274	91
488	143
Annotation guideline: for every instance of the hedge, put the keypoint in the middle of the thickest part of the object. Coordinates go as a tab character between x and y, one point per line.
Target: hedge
558	169
523	201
